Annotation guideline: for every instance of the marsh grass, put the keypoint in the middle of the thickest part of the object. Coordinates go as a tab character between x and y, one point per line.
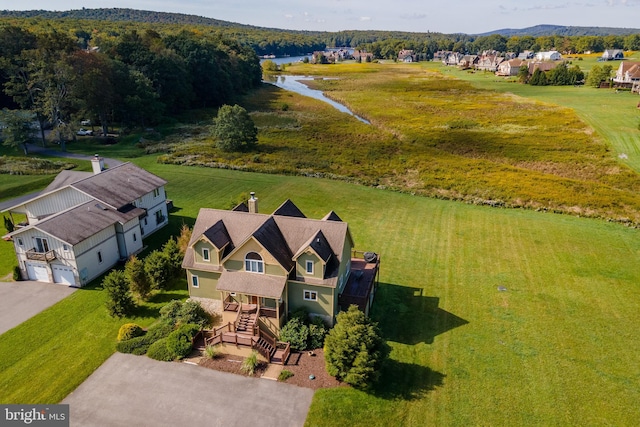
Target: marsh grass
435	135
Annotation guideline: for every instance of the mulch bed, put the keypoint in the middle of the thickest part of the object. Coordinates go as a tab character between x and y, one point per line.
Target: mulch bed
232	364
301	364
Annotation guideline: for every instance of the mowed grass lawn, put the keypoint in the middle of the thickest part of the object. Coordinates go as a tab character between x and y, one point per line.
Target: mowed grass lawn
558	346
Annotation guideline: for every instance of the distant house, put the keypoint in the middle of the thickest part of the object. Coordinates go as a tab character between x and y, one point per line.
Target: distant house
527	54
510	68
469	61
362	56
612	54
453	59
628	72
406	55
489	62
441	55
542	66
82	224
552	55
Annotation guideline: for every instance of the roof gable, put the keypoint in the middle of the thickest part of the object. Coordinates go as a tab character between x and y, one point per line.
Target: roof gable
332	216
319	244
288	208
119	185
217	234
271	238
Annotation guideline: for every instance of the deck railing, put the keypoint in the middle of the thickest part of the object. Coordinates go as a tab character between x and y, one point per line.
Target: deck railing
40	256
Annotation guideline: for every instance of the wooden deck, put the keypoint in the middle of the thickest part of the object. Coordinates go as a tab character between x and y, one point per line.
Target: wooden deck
361	285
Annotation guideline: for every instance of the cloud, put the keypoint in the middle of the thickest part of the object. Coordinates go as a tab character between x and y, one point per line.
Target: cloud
413	15
288	16
365	18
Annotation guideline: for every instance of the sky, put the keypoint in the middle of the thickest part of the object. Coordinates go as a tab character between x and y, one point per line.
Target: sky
448	16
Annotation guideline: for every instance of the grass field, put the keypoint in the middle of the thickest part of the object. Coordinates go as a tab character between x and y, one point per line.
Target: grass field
613	115
558	347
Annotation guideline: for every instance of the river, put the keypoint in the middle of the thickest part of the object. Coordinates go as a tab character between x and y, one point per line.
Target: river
294	84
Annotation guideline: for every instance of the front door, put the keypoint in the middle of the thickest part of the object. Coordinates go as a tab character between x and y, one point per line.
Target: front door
42	245
253	299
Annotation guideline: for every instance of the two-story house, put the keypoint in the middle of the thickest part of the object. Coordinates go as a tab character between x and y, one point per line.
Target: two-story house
83	223
274	264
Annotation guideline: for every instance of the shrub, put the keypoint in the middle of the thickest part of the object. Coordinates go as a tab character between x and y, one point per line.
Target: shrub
139	283
158	268
181	313
296	333
179	342
212	351
17	275
128	331
184	238
159	330
284	375
250	364
159	351
300	313
130	346
317	333
119	302
354	349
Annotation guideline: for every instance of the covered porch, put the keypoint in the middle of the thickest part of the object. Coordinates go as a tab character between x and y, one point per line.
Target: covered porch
253	299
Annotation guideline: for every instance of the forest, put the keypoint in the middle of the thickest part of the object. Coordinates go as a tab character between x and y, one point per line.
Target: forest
64	75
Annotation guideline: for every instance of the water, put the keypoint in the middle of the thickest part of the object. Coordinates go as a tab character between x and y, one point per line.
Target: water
286	59
293	84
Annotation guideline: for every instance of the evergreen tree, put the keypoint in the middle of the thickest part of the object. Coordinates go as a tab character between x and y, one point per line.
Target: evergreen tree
139	283
119	302
354	349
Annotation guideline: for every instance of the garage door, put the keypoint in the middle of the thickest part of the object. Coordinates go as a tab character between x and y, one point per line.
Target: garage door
62	274
37	272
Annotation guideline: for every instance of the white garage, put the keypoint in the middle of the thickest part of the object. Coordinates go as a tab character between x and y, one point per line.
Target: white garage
63	274
37	272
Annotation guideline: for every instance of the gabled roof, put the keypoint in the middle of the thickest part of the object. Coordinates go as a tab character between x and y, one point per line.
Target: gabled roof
241	207
288	208
246	283
79	223
271	238
120	184
319	245
218	235
65	178
281	236
332	216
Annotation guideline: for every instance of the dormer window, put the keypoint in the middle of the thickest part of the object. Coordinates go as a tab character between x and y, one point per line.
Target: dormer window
309	267
253	262
205	254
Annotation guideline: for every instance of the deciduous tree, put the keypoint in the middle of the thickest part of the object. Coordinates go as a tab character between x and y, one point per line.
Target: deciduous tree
234	129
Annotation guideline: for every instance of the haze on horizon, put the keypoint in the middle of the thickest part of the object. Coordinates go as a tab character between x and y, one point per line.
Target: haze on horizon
453	16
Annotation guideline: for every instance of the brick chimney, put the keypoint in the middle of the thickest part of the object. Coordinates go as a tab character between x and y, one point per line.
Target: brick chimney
97	164
253	203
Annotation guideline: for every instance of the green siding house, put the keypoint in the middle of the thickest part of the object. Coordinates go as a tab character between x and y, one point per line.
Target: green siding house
276	263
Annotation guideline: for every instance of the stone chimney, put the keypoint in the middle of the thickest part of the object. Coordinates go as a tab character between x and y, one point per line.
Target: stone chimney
97	164
253	203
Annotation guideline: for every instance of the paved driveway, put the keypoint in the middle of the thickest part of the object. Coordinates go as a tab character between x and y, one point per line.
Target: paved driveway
130	390
20	301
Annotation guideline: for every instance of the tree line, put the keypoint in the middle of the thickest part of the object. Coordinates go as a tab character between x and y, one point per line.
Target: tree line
129	77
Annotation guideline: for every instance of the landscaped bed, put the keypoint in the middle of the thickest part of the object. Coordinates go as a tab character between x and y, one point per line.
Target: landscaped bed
301	364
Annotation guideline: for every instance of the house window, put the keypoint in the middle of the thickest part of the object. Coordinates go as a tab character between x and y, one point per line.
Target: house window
253	262
20	242
194	281
309	267
145	221
159	217
135	237
205	254
65	247
100	257
42	245
156	192
310	296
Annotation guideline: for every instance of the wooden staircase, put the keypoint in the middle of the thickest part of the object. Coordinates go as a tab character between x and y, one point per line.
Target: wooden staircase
246	323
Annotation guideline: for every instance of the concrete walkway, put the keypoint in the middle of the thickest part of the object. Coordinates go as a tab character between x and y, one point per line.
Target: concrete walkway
19	301
130	390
